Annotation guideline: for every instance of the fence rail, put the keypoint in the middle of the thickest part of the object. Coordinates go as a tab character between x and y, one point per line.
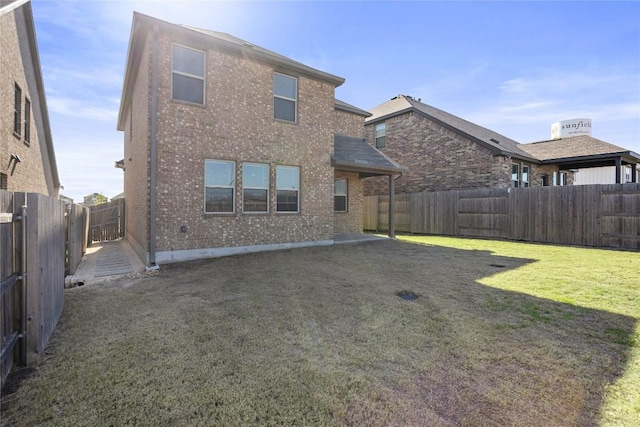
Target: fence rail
32	286
586	215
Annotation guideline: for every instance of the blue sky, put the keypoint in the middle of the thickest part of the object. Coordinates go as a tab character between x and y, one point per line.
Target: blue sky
513	67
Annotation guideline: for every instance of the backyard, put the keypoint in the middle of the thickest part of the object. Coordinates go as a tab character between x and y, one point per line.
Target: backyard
499	333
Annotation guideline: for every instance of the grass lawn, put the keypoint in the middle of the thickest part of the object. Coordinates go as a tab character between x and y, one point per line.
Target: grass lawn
501	333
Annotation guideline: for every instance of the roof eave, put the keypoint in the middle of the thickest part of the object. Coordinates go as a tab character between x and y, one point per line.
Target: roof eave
362	168
593	157
35	58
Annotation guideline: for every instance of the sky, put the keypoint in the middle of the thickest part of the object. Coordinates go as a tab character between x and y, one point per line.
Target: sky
511	66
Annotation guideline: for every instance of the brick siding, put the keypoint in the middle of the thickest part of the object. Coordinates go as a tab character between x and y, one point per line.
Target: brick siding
16	67
439	159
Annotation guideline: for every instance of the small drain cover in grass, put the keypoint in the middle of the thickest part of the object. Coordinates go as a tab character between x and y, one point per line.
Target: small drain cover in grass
407	295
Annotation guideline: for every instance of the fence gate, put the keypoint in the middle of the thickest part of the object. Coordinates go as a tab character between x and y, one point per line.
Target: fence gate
107	221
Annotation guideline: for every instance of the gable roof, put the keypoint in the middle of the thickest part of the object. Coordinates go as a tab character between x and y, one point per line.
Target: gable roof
576	148
143	26
7	6
355	155
343	106
498	144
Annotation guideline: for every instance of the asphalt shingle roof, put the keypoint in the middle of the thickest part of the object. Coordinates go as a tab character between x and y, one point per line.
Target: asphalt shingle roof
341	105
494	141
355	154
575	146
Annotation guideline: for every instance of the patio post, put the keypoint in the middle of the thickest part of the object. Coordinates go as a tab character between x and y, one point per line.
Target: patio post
392	232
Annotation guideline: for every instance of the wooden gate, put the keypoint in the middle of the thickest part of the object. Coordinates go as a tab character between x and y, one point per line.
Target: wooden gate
107	221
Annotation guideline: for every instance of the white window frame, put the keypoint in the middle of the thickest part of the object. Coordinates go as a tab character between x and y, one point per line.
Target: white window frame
193	76
245	187
295	100
283	167
559	178
380	130
232	187
345	194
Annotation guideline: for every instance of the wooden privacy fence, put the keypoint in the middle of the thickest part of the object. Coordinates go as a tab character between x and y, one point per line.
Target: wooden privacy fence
107	221
587	215
35	252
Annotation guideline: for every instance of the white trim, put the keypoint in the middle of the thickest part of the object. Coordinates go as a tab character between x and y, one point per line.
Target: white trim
11	6
166	257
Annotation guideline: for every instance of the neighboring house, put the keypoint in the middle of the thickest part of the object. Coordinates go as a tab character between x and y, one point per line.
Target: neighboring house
231	148
94	199
445	152
67	200
118	196
595	161
27	158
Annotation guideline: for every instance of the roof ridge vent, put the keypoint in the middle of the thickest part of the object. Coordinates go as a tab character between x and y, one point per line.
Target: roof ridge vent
494	140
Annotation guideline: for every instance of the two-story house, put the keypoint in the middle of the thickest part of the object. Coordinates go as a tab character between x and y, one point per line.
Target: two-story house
27	158
232	148
444	152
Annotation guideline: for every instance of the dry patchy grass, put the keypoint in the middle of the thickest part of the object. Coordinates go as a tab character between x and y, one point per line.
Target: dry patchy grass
318	336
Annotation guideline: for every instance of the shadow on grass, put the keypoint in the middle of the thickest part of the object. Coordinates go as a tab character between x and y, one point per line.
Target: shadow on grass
321	336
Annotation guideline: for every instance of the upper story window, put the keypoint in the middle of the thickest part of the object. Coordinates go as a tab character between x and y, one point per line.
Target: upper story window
255	187
187	69
27	120
219	184
285	97
340	195
288	188
17	109
381	135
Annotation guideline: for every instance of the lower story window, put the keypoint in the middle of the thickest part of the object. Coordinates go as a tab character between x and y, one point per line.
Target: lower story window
255	187
219	183
4	182
515	175
559	178
525	175
288	188
340	195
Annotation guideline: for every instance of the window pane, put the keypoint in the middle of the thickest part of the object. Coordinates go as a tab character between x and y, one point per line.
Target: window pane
255	176
284	109
381	130
340	187
17	108
254	200
219	200
287	178
188	61
219	174
381	141
340	203
284	86
287	201
188	89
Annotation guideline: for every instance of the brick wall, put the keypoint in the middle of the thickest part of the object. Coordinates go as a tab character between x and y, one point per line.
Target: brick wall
437	158
237	124
137	158
349	124
351	221
16	67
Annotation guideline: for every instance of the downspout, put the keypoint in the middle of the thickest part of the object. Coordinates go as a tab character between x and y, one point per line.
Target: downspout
154	150
618	169
23	285
392	207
